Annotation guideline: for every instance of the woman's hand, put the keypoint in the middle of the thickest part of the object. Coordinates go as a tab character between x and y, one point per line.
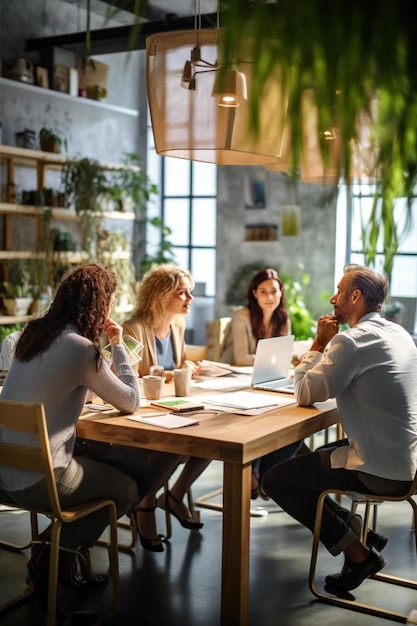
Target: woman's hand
114	332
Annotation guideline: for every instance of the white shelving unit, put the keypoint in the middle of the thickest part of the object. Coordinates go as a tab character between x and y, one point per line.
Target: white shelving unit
93	107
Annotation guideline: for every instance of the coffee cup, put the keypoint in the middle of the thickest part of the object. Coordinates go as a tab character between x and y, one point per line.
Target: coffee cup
182	379
153	386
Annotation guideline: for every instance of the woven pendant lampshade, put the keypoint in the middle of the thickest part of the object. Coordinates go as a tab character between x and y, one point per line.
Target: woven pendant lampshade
202	114
315	168
321	160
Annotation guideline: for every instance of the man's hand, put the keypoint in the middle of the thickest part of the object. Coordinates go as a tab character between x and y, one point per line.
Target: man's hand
327	328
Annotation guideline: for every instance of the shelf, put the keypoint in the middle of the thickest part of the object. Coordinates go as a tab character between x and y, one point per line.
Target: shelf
90	107
14	319
58	214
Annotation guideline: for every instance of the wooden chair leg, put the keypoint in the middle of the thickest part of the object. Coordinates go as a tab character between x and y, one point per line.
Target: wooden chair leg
353	604
125	547
34	531
204	503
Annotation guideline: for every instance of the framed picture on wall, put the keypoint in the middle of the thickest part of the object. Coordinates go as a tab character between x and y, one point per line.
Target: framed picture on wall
256	189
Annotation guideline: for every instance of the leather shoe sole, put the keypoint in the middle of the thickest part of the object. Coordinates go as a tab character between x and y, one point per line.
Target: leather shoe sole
353	574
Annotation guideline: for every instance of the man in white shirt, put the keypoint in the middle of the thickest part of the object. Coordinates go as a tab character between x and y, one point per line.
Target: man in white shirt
371	371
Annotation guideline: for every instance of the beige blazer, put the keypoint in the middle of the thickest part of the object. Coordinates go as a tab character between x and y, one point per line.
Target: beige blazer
137	329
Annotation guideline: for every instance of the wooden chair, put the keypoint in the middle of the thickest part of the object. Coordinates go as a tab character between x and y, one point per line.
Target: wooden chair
35	456
214	337
370	500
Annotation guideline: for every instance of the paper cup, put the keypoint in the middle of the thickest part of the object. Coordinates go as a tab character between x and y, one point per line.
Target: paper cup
182	379
153	386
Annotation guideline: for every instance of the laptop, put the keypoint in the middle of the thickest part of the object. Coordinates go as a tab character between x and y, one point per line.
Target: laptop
272	362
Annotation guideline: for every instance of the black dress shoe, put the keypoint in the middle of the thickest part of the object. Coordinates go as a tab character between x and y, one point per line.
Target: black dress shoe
353	574
375	540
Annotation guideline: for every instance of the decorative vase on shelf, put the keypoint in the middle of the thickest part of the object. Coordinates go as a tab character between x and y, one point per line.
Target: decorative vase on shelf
17	306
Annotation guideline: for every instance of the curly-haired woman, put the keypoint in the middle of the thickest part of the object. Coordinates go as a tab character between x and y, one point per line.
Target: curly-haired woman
163	299
57	360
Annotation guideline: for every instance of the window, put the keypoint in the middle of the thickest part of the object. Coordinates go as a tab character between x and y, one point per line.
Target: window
356	207
187	204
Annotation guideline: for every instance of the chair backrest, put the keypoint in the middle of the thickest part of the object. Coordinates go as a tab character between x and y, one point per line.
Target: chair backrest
214	337
34	455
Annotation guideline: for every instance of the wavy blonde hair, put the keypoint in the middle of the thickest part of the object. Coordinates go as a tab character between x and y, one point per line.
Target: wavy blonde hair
156	289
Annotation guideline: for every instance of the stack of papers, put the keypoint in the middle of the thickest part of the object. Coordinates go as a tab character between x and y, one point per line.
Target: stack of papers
246	402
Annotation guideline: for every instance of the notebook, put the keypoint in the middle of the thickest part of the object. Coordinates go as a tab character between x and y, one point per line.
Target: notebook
272	362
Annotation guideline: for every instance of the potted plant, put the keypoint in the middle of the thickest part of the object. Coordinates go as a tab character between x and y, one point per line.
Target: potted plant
85	182
130	186
50	140
17	291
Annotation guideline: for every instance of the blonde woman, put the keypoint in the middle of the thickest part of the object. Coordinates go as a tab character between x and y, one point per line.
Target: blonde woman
164	298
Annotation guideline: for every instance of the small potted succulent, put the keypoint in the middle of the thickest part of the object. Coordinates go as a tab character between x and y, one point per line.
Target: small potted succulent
17	292
50	140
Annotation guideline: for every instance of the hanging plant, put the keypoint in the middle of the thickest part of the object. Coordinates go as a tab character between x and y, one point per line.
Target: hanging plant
359	59
85	182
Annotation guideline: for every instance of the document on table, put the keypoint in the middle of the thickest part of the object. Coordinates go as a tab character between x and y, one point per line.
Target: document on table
244	402
164	420
223	383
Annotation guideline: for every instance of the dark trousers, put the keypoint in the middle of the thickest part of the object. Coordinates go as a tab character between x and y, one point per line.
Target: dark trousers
296	484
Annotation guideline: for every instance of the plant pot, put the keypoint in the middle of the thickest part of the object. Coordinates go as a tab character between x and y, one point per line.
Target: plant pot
50	145
17	306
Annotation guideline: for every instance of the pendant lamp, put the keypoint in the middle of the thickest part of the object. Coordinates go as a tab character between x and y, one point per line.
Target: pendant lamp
364	161
321	151
200	109
321	159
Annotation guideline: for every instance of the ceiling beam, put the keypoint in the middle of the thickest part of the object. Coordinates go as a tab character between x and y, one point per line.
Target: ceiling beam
119	38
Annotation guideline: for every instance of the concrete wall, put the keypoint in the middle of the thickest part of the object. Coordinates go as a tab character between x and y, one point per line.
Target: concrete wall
89	132
312	251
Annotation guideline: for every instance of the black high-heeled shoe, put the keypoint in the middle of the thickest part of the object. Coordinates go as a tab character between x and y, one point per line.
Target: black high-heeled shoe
153	545
187	522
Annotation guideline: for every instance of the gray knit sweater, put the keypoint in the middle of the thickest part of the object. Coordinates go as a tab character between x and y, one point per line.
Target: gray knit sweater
60	378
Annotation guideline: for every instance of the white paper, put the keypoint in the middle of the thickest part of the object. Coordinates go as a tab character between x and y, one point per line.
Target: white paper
245	400
168	420
98	407
235	369
225	383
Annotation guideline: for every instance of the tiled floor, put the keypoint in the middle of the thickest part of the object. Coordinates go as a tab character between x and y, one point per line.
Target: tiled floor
181	586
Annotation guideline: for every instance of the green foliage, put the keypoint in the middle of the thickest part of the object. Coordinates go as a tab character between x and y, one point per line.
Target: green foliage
303	324
353	54
19	283
84	180
131	182
164	253
51	140
7	329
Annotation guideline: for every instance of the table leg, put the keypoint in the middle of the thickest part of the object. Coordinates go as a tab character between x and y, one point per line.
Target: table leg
235	555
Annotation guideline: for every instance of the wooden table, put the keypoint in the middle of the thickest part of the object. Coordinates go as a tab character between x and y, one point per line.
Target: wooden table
236	440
